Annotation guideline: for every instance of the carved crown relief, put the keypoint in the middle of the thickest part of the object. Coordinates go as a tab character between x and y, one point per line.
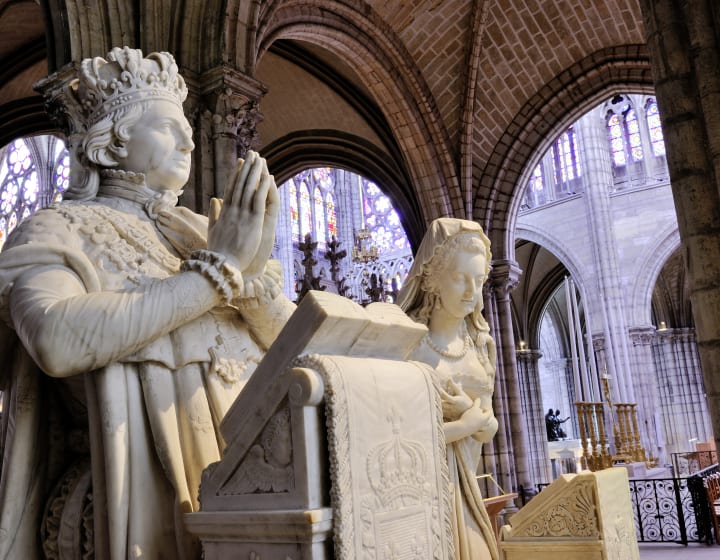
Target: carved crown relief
396	516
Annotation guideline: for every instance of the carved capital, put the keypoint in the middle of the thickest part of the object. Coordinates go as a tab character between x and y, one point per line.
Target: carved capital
230	101
60	103
682	335
504	277
598	340
642	336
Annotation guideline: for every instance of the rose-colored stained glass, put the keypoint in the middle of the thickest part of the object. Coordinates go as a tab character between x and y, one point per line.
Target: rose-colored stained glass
382	220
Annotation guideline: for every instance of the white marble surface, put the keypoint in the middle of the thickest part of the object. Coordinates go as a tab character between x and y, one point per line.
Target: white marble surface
578	517
363	436
444	291
148	317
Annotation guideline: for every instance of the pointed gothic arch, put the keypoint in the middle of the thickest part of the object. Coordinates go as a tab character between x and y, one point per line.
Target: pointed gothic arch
389	72
547	113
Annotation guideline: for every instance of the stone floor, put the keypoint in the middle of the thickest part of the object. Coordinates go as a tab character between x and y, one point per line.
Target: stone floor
667	551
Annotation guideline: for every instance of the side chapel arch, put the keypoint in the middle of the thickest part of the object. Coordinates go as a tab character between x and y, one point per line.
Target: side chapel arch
552	109
295	152
656	256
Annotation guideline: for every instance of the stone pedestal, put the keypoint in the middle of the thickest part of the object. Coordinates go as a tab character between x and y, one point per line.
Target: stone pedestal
586	516
565	456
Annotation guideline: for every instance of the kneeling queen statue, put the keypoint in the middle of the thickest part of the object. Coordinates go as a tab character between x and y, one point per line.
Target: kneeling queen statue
129	327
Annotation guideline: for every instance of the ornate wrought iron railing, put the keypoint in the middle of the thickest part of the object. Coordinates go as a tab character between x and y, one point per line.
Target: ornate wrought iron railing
663	510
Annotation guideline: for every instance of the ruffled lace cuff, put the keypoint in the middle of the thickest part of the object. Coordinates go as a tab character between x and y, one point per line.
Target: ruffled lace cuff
261	290
227	279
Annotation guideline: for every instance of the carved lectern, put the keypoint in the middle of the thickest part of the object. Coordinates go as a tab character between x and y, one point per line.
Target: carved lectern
335	447
586	516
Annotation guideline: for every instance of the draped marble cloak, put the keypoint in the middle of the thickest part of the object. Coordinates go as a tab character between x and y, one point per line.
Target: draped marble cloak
153	413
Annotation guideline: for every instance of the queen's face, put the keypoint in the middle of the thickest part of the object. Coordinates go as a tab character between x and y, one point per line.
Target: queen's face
460	287
160	145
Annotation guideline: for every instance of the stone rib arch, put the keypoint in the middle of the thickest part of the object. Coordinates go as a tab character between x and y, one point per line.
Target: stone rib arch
554	107
386	69
24	117
571	261
668	241
555	246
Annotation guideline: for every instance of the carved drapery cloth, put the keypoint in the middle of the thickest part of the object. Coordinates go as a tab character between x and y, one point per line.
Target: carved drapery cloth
387	459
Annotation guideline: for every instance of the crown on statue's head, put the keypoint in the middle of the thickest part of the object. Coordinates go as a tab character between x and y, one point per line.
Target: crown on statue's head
105	85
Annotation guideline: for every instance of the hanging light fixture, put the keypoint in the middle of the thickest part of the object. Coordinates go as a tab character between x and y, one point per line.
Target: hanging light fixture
364	251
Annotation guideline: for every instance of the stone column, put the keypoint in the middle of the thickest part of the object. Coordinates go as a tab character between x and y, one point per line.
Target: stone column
223	108
690	378
684	43
669	392
681	389
651	428
533	413
497	455
503	279
610	301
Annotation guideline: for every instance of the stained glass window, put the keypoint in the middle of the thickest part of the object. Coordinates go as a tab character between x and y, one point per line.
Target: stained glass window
331	216
34	172
325	177
624	136
536	180
294	215
656	133
633	132
566	163
319	211
311	199
316	216
617	140
382	219
305	213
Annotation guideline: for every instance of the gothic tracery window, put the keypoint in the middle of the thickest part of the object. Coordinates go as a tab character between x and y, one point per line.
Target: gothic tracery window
330	215
305	212
653	121
566	161
34	173
334	202
624	136
316	215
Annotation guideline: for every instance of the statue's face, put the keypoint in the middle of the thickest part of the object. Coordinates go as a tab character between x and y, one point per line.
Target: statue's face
460	287
160	145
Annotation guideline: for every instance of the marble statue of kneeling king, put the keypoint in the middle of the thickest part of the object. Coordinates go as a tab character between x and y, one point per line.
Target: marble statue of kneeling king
130	326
